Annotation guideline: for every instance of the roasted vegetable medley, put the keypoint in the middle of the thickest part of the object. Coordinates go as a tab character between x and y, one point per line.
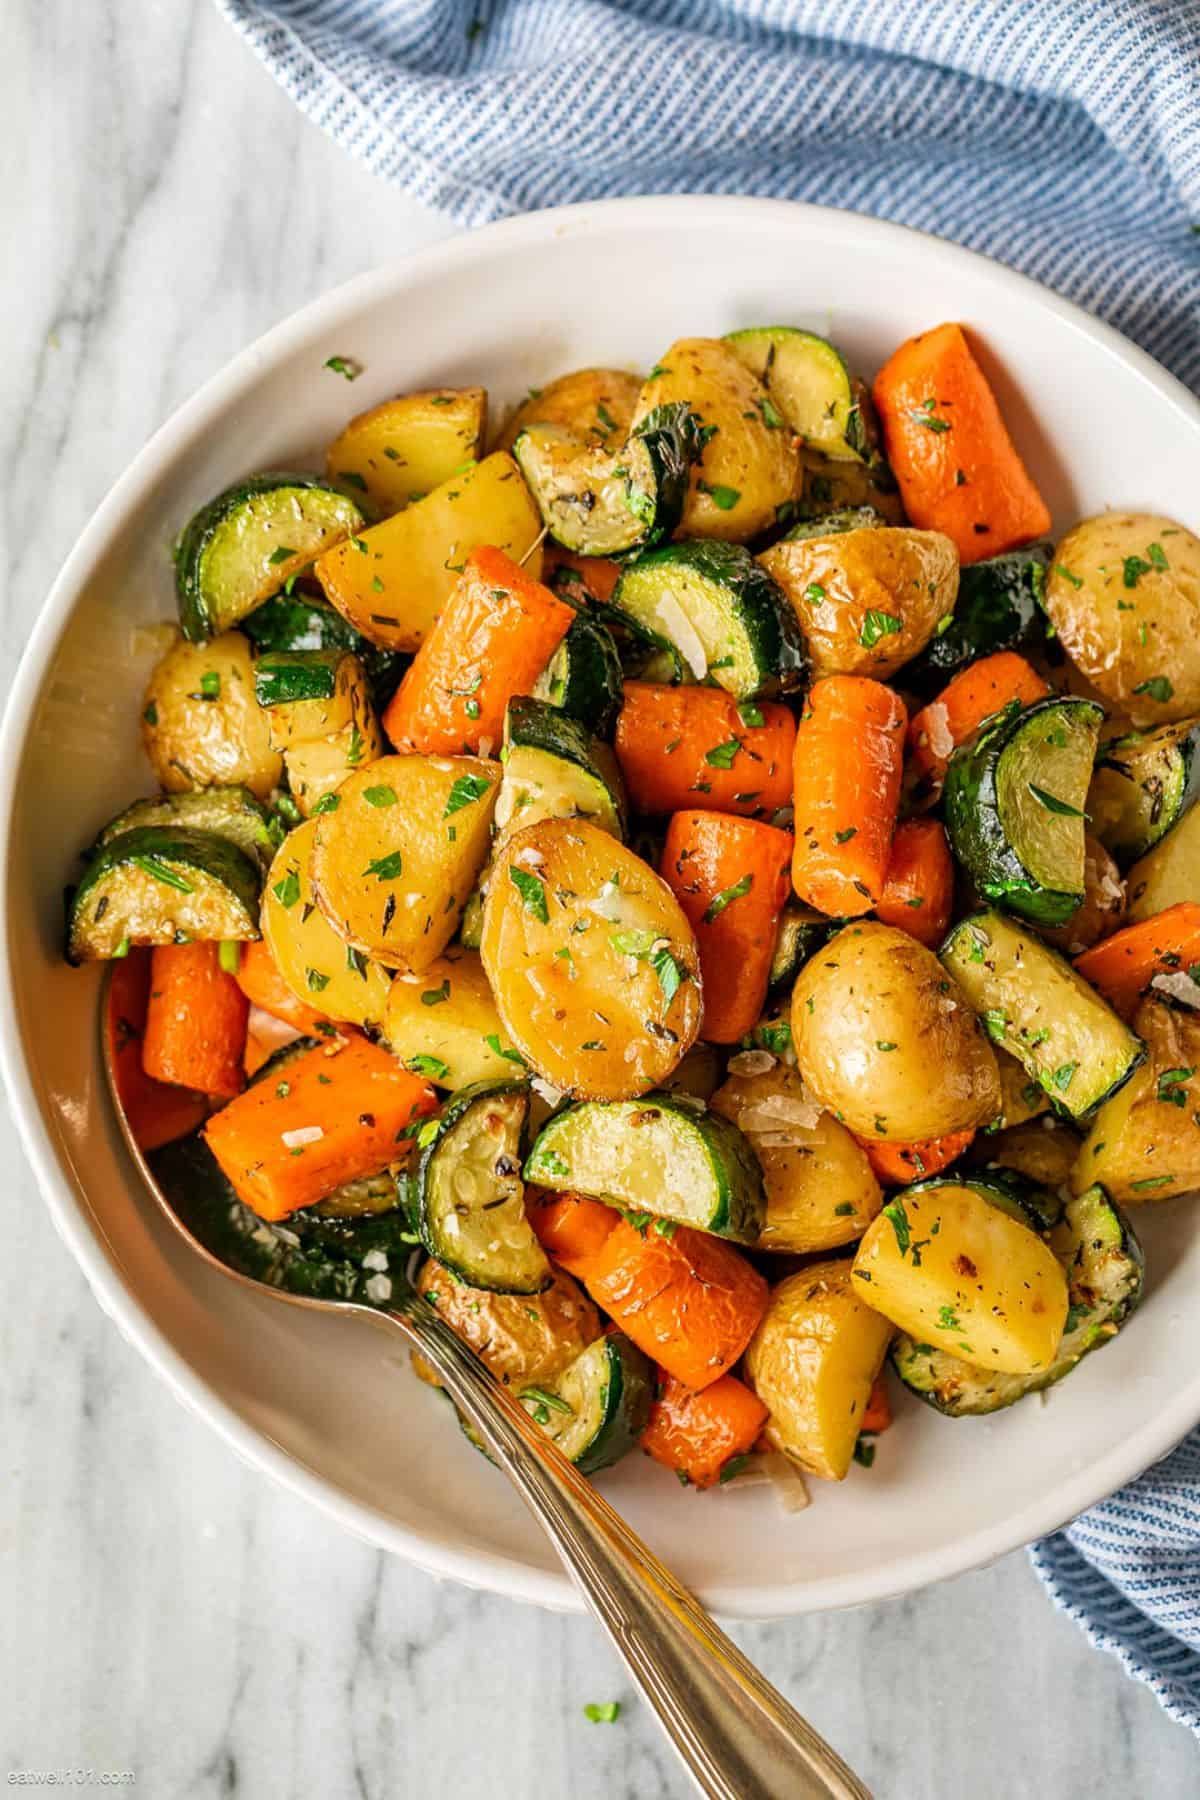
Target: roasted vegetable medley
705	878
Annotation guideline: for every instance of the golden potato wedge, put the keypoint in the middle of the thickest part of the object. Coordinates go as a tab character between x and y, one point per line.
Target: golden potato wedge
868	600
1043	1149
394	864
1168	873
596	403
1144	1143
202	726
748	468
813	1361
526	1340
444	1025
403	449
1103	908
952	1270
1021	1098
317	769
592	962
1123	593
886	1040
309	954
821	1191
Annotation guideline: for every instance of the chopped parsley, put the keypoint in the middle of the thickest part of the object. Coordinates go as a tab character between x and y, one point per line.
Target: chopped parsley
287	891
1053	804
344	365
386	868
878	625
428	1065
532	890
466	791
1158	688
726	897
435	996
721	755
380	796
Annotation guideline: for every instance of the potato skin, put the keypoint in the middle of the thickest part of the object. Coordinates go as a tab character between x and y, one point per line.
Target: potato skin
1103	908
1043	1151
906	574
579	401
745	456
195	742
1115	579
522	1338
887	1042
1144	1143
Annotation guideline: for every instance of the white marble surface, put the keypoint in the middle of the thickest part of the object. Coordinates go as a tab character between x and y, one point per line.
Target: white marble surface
162	1609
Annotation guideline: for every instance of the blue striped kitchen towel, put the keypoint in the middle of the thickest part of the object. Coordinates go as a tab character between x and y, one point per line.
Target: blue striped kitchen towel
1062	136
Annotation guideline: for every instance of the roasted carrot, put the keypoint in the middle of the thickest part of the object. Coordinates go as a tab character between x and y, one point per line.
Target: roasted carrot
1122	966
571	1228
918	894
848	762
695	746
491	640
597	575
687	1299
898	1164
195	1022
878	1414
263	985
697	1435
344	1111
156	1114
948	445
265	1034
730	876
985	688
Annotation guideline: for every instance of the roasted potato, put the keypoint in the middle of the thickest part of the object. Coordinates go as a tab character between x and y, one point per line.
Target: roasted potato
821	1192
404	448
1144	1143
748	468
1123	594
309	954
1043	1149
202	726
319	767
813	1362
867	600
598	404
829	486
1167	874
952	1270
887	1042
526	1340
444	1025
1103	908
1021	1098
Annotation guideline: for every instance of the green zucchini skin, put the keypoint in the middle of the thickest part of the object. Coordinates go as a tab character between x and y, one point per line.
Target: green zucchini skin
758	649
800	935
808	379
985	835
615	501
1024	1200
832	524
467	1145
999	607
286	676
695	1167
1104	1265
212	590
179	852
583	677
291	622
1144	782
231	812
554	760
610	1389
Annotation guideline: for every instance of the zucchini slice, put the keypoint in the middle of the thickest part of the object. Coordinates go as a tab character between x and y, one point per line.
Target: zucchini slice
319	967
999	607
832	524
231	812
644	655
290	622
236	551
553	769
721	611
469	1196
309	694
583	677
1144	782
660	1155
801	932
162	885
1167	874
600	1404
1015	806
1034	1005
604	502
1099	1250
809	382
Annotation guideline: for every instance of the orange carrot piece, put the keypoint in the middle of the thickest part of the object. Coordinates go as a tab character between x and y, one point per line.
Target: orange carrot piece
156	1113
683	746
730	876
918	895
698	1434
195	1022
848	762
265	1034
491	640
960	709
598	575
362	1105
896	1165
878	1414
263	985
571	1229
687	1299
1122	966
958	469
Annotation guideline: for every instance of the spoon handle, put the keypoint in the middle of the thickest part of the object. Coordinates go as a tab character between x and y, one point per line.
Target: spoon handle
738	1738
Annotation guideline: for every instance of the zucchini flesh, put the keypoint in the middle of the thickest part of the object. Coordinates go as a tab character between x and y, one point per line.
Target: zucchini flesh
469	1196
722	612
801	933
310	694
553	769
162	885
1015	799
644	655
583	677
229	812
1099	1250
600	1404
809	382
661	1155
1143	784
288	622
999	607
236	551
1034	1005
601	502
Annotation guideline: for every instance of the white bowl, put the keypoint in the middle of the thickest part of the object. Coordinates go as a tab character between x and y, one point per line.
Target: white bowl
327	1405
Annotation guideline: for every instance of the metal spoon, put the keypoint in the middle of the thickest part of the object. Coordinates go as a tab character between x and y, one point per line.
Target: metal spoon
737	1737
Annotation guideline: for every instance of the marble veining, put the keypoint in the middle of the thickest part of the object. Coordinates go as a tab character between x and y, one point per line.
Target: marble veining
164	1610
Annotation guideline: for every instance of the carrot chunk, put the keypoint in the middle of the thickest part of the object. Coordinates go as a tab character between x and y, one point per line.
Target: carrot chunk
259	979
698	1434
918	895
156	1113
1122	966
988	686
195	1022
572	1229
878	1414
684	746
848	762
896	1165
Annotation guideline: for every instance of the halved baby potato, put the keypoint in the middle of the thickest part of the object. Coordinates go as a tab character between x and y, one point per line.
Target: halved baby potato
201	724
444	1024
1144	1143
595	404
526	1340
592	962
313	960
316	769
401	450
